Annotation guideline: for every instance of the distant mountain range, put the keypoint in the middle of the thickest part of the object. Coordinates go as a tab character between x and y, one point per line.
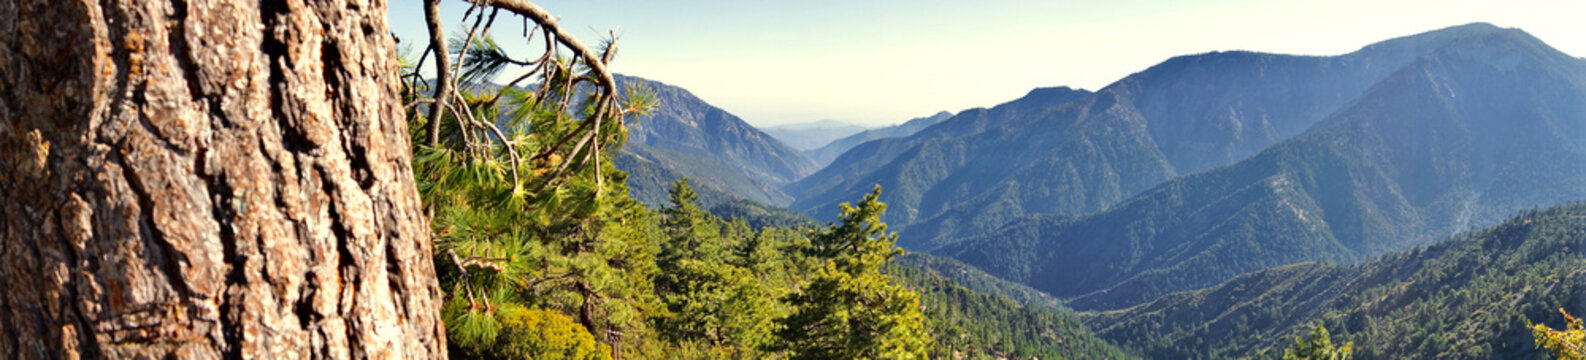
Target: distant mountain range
811	135
1490	122
1197	208
687	137
979	170
825	154
726	158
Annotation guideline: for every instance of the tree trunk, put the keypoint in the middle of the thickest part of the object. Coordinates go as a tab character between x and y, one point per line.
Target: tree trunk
208	178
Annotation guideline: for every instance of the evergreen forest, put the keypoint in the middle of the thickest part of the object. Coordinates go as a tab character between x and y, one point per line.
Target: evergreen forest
488	179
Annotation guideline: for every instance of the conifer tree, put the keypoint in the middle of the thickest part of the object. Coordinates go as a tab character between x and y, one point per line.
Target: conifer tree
1317	346
851	310
1567	344
531	219
707	297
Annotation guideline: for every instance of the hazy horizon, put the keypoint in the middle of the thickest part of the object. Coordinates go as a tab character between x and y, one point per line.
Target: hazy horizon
879	63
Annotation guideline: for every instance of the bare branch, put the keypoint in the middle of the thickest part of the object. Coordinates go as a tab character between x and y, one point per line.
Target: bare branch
432	16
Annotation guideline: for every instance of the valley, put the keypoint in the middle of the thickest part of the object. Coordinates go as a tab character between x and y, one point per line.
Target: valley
1293	179
725	180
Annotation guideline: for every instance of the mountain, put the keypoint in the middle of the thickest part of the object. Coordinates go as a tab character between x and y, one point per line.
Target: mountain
867	164
820	124
685	136
811	135
651	172
825	154
1468	297
1187	114
1491	123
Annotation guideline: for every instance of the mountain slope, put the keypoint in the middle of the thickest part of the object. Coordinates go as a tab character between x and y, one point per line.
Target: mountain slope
826	154
860	167
1467	297
1187	114
756	164
812	135
651	172
1490	124
975	325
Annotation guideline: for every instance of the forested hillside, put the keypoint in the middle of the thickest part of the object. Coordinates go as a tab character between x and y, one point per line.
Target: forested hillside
1468	297
685	136
543	253
1450	141
239	179
651	172
975	325
979	281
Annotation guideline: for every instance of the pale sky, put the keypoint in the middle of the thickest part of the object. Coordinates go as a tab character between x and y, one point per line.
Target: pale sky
880	62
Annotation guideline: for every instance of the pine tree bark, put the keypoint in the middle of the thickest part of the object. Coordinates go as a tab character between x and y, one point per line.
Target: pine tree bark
208	178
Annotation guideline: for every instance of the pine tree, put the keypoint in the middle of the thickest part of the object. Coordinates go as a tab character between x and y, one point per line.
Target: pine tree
684	210
707	297
1567	344
851	310
528	212
1317	346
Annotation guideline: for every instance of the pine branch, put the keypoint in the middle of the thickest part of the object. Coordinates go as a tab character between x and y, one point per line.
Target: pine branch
545	20
432	17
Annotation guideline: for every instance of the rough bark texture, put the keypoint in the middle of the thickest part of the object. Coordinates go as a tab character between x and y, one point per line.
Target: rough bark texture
206	179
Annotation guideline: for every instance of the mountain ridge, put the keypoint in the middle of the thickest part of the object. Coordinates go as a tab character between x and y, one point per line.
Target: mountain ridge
1403	164
824	188
808	136
1186	114
824	155
740	160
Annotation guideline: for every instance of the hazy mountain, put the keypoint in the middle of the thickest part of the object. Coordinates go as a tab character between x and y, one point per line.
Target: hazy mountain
825	154
685	136
818	124
1187	114
812	135
1467	298
1491	123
